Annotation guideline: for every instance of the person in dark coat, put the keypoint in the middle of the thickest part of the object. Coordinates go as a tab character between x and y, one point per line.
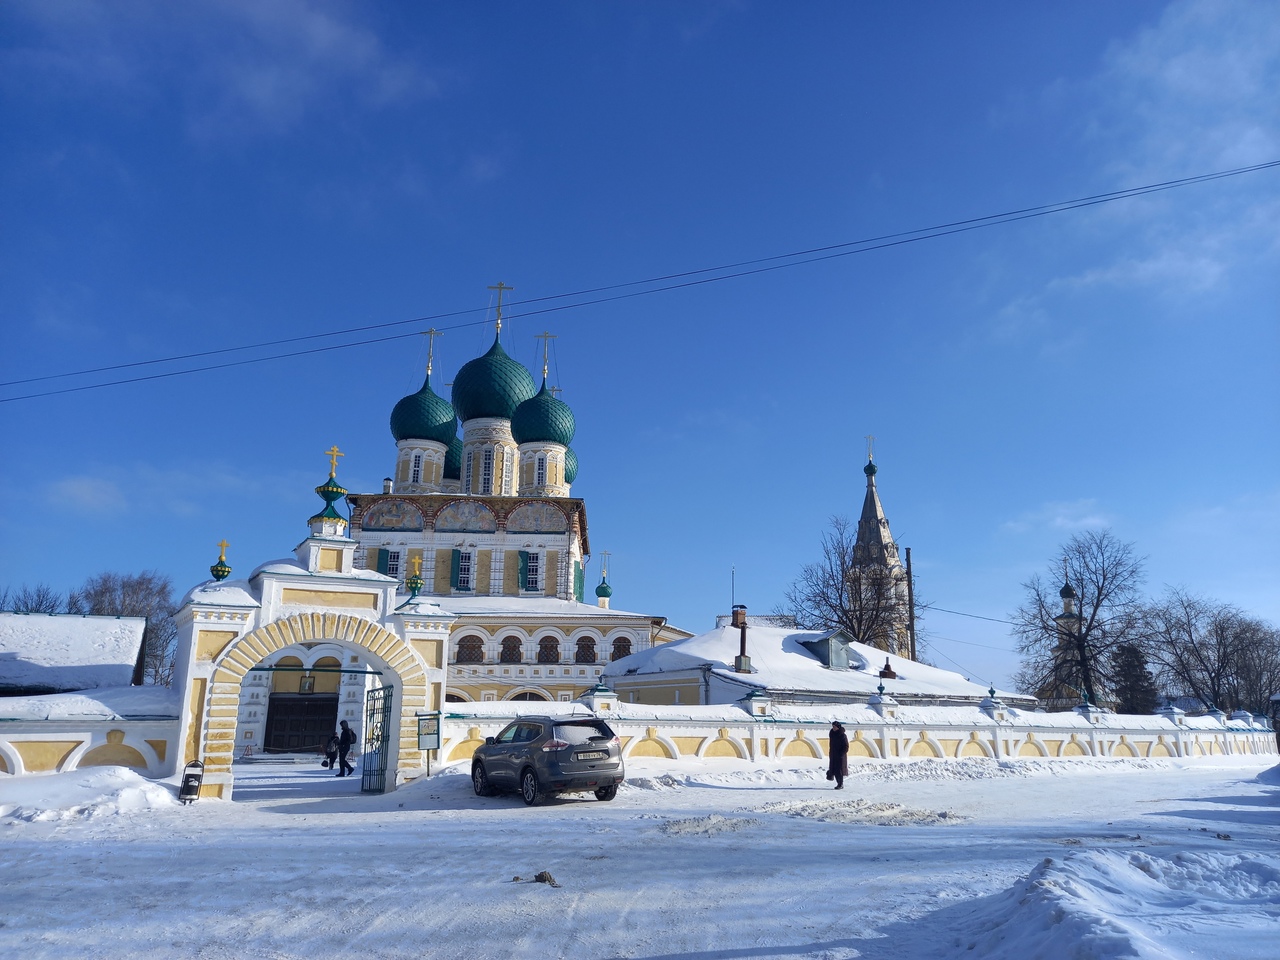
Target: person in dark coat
838	767
331	753
346	740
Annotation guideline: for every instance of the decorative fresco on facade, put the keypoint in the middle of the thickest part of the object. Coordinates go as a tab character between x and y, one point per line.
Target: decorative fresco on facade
393	515
466	516
537	518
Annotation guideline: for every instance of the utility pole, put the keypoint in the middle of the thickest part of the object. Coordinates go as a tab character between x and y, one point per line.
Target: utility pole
911	606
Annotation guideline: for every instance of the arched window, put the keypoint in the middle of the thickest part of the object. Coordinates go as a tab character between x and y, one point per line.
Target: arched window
548	650
416	476
470	650
528	696
621	648
510	650
486	473
541	478
508	472
586	651
466	475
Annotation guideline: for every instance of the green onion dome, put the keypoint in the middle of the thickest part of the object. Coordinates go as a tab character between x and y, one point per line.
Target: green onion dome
543	418
1067	592
869	469
491	386
570	465
453	460
604	590
424	416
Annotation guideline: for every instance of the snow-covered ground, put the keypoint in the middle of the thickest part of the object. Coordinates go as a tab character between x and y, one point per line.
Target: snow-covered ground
972	858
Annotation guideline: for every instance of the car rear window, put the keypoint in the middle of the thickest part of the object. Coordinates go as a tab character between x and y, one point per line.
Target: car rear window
585	732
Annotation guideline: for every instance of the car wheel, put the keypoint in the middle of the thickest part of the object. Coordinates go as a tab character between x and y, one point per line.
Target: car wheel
480	781
531	789
607	793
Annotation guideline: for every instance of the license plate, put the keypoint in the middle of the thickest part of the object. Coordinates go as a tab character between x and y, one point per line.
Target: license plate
593	755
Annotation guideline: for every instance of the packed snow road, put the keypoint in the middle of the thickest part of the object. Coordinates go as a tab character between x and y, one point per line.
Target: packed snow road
708	860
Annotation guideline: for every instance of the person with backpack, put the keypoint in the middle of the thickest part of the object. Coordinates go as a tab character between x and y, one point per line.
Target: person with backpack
330	753
346	740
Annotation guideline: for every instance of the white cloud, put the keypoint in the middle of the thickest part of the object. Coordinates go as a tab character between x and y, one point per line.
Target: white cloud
84	494
236	66
1060	516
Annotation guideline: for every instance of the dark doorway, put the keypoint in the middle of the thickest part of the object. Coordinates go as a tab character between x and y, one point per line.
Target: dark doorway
300	723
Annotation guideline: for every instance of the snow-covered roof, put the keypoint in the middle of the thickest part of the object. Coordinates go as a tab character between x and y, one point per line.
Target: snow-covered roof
782	664
58	652
292	568
106	703
224	593
539	607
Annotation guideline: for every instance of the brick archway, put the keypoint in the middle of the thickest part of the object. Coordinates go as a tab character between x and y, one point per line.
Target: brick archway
213	729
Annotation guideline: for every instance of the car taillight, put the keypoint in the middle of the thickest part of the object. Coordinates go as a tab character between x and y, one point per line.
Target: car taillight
554	745
615	742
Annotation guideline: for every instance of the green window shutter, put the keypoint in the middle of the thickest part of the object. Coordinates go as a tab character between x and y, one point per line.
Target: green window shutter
381	560
524	569
454	563
579	581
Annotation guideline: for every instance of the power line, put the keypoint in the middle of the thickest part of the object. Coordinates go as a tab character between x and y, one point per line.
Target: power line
743	268
973	616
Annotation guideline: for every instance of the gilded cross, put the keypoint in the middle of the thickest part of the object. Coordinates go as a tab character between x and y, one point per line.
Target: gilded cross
333	460
416	563
604	564
871	440
546	336
222	545
431	345
500	288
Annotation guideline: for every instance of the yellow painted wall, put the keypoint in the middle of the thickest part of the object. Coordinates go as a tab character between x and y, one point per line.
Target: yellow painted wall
286	681
799	748
687	746
330	560
551	571
210	643
722	748
42	756
161	747
331	598
651	748
511	573
443	559
950	748
327	682
198	686
484	571
113	755
4	767
431	651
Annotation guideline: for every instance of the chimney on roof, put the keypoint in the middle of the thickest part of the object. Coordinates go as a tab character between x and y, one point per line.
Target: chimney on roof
741	663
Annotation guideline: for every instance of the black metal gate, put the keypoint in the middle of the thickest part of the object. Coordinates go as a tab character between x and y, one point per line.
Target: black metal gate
380	738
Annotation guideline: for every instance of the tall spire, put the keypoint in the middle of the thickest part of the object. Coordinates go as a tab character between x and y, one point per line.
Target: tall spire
875	542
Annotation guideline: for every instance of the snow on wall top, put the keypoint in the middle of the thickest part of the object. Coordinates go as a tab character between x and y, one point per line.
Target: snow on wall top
529	606
106	703
59	652
780	662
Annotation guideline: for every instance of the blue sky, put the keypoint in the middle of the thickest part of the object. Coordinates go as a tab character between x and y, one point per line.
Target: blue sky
178	179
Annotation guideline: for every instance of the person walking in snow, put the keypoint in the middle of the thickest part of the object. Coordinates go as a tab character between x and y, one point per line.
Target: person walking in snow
838	767
331	752
346	740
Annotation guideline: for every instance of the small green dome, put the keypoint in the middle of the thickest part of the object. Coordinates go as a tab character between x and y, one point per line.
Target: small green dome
869	469
1067	592
604	590
491	386
543	418
424	416
453	460
570	465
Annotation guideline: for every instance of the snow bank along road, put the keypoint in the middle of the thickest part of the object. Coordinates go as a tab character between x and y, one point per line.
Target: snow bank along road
973	858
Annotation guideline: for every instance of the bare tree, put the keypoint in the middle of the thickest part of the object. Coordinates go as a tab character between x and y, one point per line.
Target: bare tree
38	599
1214	652
867	600
1073	652
148	594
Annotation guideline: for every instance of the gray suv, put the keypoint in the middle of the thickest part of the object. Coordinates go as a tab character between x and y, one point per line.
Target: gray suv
547	755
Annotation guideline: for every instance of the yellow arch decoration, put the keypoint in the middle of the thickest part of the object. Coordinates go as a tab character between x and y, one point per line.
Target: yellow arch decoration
800	747
465	749
221	705
923	748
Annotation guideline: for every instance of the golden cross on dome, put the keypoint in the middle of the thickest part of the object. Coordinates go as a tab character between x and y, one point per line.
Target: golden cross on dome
871	442
546	336
500	288
431	345
333	460
604	563
222	545
416	563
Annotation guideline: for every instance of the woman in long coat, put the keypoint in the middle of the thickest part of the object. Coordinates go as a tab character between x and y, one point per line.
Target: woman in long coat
838	767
